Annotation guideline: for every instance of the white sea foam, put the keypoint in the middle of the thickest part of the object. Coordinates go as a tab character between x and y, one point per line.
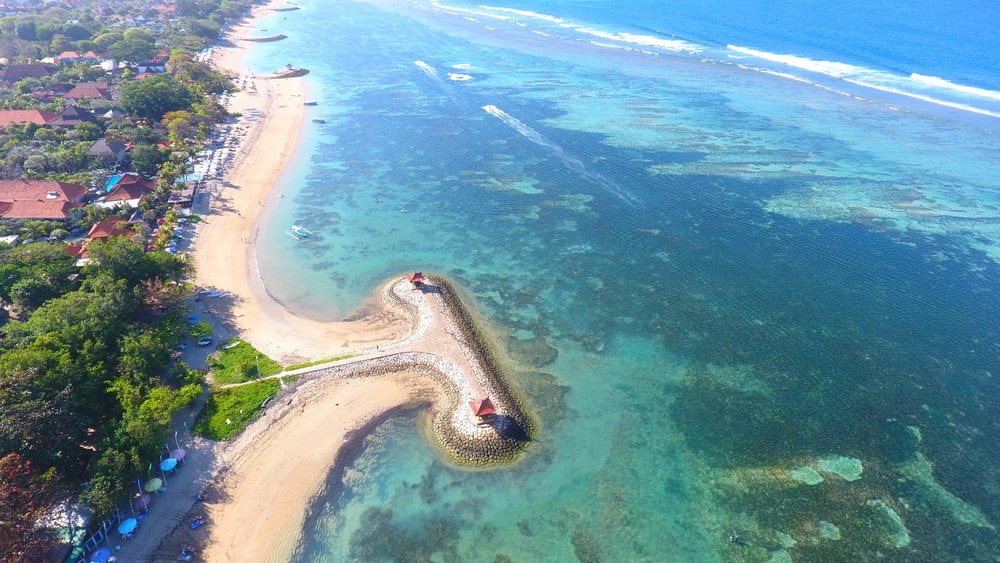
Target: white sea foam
526	13
926	98
948	85
676	45
463	66
606	45
458	77
928	89
518	17
829	68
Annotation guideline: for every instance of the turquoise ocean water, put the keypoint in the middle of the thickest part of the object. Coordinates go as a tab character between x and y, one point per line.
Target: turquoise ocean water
742	263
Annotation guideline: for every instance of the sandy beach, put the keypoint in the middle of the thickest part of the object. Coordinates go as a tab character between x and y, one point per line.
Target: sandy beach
257	507
259	486
224	247
267	476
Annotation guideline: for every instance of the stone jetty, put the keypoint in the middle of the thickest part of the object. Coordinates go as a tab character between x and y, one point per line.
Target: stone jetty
446	345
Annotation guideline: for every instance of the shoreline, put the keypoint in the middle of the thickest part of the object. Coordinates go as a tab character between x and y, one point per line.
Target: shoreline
224	248
411	352
273	477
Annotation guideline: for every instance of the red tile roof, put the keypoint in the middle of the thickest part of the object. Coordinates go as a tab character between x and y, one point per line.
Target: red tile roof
109	228
132	178
38	209
482	407
102	230
38	117
90	92
13	190
39	199
127	191
16	72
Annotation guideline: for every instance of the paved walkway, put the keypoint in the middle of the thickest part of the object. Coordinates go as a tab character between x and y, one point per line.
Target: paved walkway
434	334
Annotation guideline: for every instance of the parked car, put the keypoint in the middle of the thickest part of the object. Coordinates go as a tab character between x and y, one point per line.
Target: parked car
205	341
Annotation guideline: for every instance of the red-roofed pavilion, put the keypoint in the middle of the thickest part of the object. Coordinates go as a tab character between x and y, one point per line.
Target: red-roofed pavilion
482	408
416	278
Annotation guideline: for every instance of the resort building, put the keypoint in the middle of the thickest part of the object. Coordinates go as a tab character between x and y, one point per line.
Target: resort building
39	199
102	230
10	117
127	190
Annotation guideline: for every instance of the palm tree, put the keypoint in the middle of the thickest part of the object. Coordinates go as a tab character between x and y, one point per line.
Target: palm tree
33	229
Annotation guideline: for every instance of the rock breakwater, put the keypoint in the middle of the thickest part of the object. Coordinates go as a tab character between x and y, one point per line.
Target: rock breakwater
464	366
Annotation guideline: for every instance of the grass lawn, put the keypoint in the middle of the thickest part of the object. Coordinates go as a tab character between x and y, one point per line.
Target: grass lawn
237	361
228	411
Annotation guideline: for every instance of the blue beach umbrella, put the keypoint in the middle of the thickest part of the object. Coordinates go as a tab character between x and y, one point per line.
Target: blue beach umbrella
101	555
168	464
127	526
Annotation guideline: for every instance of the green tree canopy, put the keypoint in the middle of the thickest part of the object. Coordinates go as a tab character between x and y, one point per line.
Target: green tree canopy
106	40
121	259
76	32
133	47
146	159
155	96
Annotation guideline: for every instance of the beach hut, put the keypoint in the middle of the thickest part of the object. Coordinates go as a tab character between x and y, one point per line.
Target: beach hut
416	278
483	410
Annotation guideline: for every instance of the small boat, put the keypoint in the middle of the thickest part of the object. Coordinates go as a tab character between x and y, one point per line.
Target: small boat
318	120
309	103
299	232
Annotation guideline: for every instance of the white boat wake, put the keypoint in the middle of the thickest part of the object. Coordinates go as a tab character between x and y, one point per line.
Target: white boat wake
574	163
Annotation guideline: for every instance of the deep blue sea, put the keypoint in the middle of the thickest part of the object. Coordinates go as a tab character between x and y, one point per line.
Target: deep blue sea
742	260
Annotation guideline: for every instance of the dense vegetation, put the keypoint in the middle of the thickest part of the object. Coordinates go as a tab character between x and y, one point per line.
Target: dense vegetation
88	378
87	383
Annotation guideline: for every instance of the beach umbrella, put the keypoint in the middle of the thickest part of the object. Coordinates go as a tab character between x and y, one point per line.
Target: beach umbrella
128	526
178	454
153	484
168	464
101	555
142	501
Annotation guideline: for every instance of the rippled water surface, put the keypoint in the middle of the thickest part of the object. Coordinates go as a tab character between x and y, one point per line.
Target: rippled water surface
737	303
